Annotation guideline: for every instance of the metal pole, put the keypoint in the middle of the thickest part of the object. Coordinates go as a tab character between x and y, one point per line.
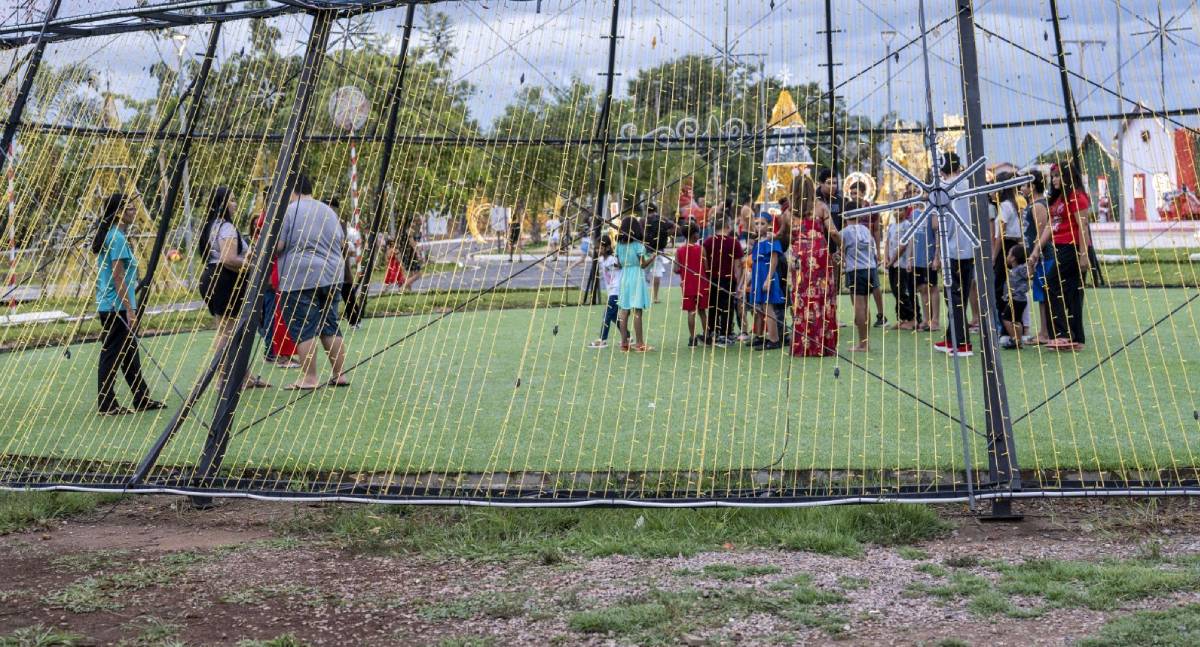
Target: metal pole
179	168
591	290
833	146
22	98
1072	120
235	355
385	162
241	340
1002	460
1120	206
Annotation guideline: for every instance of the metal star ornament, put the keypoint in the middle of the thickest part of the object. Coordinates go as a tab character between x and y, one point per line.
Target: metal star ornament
938	195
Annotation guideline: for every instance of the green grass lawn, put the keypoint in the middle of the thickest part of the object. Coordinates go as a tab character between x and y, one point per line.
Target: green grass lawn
1171	267
516	390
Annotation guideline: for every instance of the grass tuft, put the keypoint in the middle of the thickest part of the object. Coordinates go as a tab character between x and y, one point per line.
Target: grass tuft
912	553
23	510
1178	627
285	640
1100	585
39	636
497	535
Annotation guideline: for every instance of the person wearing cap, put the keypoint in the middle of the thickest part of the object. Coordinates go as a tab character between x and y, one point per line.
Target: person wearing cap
956	254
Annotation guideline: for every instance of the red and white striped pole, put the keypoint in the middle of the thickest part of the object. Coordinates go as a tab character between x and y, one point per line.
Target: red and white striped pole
354	204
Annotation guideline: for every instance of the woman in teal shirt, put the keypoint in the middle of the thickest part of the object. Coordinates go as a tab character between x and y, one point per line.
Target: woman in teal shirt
116	305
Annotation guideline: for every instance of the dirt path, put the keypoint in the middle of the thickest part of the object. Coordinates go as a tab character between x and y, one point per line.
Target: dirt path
152	571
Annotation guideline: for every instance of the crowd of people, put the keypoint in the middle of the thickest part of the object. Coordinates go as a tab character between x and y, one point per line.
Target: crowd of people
313	269
742	269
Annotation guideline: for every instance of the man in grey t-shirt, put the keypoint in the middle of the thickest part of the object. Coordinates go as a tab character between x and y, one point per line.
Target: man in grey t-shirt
311	271
958	259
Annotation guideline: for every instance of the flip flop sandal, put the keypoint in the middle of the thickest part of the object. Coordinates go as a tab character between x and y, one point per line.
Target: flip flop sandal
256	383
297	387
642	348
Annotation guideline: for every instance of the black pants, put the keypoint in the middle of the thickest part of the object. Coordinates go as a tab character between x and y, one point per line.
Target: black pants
962	275
118	348
904	288
1064	291
720	307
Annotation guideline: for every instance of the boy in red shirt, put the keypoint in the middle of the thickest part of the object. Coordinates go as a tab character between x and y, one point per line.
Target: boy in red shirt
689	265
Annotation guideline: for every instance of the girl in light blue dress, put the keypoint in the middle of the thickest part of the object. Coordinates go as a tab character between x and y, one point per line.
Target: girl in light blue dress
633	294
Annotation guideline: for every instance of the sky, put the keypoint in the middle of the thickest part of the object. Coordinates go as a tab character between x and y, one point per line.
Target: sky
504	44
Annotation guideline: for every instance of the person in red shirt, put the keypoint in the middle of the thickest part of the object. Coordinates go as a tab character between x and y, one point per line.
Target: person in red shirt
722	255
1068	235
273	329
689	265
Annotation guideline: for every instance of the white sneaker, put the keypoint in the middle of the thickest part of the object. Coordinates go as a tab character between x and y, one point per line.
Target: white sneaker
599	343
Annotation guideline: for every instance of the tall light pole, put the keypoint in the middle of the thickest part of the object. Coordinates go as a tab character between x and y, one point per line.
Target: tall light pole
888	36
181	40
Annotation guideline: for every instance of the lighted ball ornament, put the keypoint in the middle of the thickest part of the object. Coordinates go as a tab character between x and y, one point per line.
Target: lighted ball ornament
349	108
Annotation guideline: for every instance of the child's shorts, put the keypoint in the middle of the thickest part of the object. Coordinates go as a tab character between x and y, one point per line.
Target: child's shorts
695	302
1037	286
862	282
1013	311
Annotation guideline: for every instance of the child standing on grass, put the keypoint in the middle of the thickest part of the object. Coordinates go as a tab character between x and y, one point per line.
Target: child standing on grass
633	294
1016	297
860	257
689	265
766	290
394	279
610	275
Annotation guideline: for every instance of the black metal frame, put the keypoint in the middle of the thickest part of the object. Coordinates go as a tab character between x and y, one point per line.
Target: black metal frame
179	163
166	15
591	289
206	479
234	358
22	98
394	96
1072	120
1003	470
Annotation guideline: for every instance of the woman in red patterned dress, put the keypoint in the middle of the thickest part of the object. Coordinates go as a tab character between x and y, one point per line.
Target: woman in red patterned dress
814	294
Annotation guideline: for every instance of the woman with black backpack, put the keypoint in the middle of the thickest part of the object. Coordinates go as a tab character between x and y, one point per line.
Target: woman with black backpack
222	283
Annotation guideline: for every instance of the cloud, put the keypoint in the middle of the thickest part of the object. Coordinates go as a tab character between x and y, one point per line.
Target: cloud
504	45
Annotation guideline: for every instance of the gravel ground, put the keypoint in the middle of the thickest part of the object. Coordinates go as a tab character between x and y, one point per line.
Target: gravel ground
238	579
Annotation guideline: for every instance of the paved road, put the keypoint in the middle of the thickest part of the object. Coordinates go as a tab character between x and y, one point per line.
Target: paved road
479	268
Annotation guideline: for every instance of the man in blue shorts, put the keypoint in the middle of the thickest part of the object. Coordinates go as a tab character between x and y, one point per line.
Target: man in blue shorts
311	272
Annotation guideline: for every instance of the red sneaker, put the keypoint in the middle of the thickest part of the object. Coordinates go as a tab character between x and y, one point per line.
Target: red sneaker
964	350
941	346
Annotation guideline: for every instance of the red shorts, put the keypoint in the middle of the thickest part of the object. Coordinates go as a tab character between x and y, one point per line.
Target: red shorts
695	302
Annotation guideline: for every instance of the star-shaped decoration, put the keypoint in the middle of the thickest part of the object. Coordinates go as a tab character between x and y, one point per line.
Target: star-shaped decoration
785	76
937	195
773	186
